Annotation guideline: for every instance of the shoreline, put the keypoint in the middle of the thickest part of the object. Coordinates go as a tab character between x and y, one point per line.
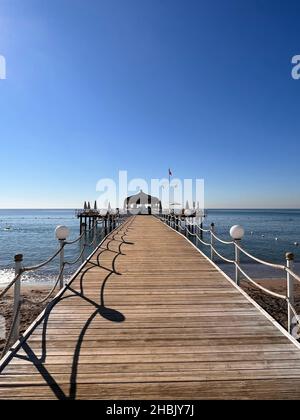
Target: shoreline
29	311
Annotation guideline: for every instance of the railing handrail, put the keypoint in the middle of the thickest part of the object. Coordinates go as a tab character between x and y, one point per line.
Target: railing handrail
248	254
20	269
171	219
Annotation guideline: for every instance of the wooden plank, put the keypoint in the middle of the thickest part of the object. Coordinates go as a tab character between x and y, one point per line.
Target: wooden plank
187	333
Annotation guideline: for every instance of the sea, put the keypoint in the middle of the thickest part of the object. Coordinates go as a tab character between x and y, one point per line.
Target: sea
269	234
32	234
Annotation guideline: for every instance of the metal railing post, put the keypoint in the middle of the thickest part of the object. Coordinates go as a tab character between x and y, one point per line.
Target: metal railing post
201	227
237	259
237	232
17	298
61	262
212	241
290	289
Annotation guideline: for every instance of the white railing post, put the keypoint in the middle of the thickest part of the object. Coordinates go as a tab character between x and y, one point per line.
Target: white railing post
237	232
212	241
201	227
61	262
237	259
61	232
17	298
290	289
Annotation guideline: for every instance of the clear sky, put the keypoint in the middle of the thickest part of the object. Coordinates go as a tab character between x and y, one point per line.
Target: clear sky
201	86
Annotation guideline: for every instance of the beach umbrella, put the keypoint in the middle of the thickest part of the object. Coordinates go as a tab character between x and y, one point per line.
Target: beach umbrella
85	206
89	206
187	205
109	206
95	205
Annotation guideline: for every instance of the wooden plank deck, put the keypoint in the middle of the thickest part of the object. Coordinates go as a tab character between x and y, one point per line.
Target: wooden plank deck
149	317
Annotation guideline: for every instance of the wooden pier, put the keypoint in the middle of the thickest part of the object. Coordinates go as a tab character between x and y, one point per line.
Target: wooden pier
150	317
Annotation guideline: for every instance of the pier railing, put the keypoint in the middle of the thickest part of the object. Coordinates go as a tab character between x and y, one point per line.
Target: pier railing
108	223
190	228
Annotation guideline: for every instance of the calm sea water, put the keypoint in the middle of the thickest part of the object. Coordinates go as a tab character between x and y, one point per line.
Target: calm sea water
262	227
31	233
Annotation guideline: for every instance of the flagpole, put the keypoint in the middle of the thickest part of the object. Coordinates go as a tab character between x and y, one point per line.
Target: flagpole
169	190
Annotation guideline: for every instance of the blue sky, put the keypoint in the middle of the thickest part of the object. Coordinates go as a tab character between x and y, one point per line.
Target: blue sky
203	87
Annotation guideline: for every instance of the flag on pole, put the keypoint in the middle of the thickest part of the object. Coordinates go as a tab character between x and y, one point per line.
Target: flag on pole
170	172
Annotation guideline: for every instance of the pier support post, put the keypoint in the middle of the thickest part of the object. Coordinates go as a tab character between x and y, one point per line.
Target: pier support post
94	232
212	242
84	227
17	298
290	289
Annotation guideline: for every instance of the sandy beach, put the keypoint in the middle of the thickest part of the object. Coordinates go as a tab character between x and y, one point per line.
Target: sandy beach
275	307
29	311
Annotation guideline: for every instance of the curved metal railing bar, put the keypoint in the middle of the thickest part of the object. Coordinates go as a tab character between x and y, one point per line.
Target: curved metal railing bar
85	245
75	240
115	222
78	258
277	266
197	236
11	330
221	240
278	295
43	264
185	228
292	273
168	219
221	256
212	233
89	244
45	299
10	285
203	230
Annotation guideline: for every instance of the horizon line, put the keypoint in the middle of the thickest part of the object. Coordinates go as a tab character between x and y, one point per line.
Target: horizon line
206	208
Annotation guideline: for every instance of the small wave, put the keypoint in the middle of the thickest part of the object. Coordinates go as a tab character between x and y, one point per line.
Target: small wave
7	275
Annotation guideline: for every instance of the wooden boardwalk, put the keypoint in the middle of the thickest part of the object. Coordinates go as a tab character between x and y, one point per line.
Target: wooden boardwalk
149	317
